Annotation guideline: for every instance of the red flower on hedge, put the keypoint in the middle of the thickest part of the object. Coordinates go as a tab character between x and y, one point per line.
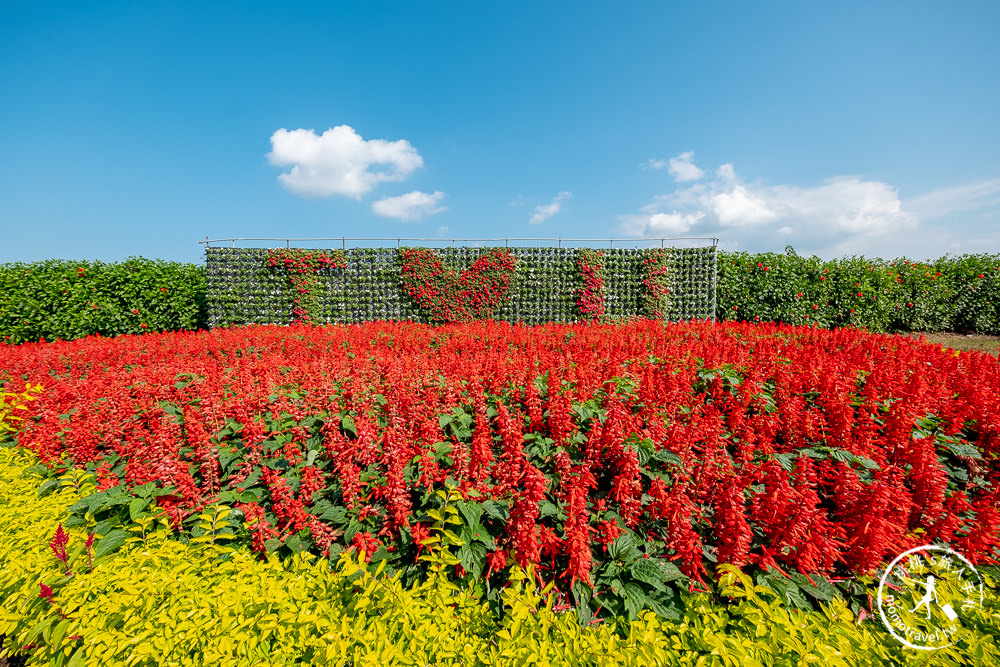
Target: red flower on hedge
446	296
657	284
302	267
590	297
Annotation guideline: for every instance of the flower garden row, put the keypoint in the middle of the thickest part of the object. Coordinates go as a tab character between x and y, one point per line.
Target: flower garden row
616	459
67	300
625	467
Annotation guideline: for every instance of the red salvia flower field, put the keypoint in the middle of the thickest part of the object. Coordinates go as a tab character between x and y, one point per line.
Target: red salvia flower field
802	450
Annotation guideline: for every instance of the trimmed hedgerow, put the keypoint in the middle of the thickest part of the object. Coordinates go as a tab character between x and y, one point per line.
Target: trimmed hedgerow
949	294
67	299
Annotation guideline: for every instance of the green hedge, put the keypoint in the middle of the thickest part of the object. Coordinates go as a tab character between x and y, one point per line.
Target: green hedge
950	294
243	289
68	299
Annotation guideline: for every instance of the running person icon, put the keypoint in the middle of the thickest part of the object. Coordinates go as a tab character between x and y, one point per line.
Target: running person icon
929	576
928	596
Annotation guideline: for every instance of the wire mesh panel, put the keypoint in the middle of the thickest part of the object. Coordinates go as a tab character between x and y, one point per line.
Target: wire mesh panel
692	275
244	289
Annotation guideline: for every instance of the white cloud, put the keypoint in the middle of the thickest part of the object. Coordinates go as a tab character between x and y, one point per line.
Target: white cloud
339	161
726	173
412	206
674	222
659	224
654	163
845	205
843	214
738	207
946	201
683	169
546	211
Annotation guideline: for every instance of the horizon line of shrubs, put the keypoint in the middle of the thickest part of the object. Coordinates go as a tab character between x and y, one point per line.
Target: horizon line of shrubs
67	299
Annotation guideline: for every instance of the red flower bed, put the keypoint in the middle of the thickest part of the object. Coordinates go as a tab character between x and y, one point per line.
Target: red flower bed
823	452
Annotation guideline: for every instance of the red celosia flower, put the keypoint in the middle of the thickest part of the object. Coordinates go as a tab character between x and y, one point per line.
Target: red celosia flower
590	298
323	535
608	532
302	267
731	525
58	545
260	528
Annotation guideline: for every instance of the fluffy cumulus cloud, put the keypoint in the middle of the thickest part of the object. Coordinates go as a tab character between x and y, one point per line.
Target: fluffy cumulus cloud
412	206
683	168
739	207
546	211
844	214
339	161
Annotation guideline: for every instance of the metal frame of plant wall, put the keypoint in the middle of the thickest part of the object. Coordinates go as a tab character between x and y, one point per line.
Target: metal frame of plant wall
545	284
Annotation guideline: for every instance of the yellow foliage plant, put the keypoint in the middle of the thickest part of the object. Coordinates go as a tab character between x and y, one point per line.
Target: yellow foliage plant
11	401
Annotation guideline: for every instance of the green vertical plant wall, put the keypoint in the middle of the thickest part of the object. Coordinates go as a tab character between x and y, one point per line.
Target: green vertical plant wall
531	285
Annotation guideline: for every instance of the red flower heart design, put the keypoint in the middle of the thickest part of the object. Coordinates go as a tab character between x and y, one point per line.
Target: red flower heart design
447	296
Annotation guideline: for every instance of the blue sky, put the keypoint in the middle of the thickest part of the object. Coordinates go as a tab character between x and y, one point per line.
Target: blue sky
841	128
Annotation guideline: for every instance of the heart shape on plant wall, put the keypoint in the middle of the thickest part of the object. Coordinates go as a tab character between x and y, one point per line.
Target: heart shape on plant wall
447	296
